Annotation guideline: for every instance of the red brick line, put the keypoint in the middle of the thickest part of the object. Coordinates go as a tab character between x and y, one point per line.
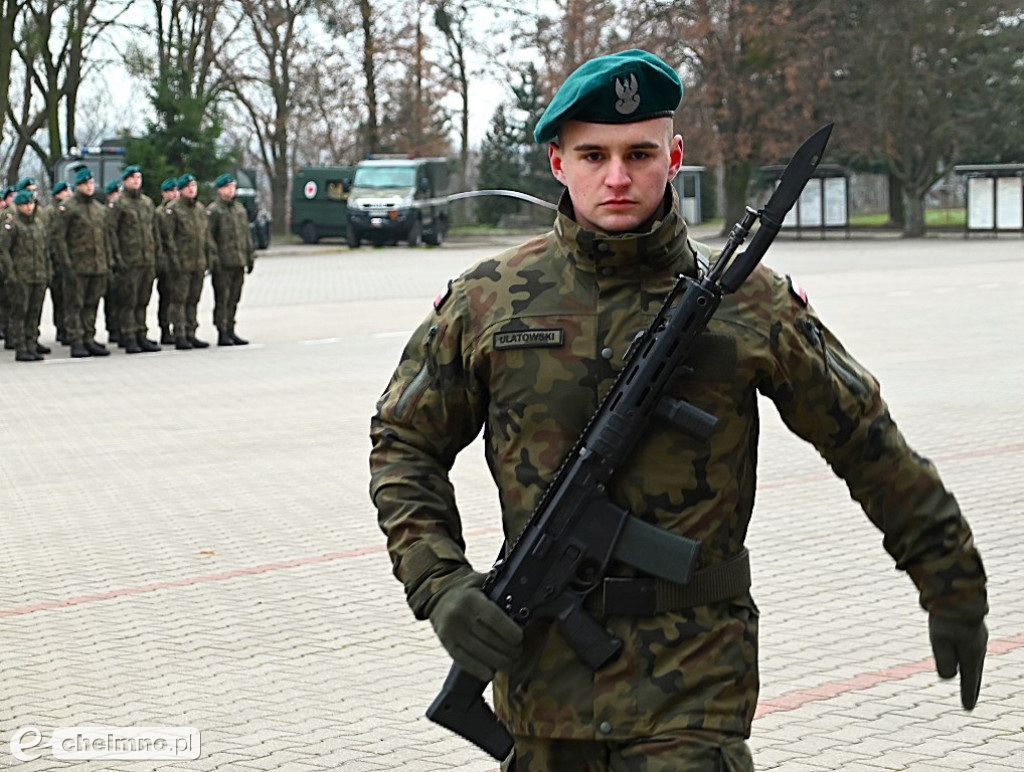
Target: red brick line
827	691
205	579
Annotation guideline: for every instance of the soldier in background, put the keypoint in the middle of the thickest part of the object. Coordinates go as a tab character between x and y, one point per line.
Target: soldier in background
134	243
113	298
6	211
682	693
60	192
79	236
164	260
233	256
187	243
24	270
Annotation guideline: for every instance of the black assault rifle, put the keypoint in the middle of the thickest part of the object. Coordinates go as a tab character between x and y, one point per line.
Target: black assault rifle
577	530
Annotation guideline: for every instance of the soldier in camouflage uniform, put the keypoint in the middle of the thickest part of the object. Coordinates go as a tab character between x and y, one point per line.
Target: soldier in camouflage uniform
187	243
60	192
523	345
135	241
24	268
233	255
113	298
79	237
168	193
6	212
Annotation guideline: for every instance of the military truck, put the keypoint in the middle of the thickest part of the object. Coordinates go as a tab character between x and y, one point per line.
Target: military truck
106	162
397	198
320	201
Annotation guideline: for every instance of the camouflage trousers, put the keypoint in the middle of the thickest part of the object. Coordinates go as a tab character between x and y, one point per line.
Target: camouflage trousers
163	291
227	291
57	300
695	751
136	290
26	302
82	293
114	303
5	308
186	287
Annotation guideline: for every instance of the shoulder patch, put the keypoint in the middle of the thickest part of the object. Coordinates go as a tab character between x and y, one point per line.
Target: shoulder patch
62	208
7	226
797	291
443	296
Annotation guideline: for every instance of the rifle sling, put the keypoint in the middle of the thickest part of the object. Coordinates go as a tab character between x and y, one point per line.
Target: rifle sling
646	596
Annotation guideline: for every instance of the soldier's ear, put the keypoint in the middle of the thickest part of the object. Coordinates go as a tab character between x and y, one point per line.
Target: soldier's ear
555	159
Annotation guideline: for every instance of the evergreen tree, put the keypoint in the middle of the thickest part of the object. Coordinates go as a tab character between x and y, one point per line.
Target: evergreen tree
501	168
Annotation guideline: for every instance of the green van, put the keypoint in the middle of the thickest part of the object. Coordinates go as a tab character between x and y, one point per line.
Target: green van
320	201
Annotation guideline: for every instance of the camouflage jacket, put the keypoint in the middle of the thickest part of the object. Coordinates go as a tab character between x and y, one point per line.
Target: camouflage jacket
79	235
134	238
229	234
185	235
23	256
463	371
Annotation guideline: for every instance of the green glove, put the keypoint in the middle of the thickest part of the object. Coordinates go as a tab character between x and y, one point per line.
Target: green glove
479	637
960	645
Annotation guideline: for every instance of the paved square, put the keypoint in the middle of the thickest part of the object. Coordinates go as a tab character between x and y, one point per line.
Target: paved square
188	541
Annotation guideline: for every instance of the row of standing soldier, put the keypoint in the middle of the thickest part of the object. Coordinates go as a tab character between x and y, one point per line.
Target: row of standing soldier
85	250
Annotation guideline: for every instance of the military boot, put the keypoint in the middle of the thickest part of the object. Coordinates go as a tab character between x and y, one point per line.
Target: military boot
79	350
41	349
238	341
25	356
224	339
165	336
182	344
96	349
146	344
130	344
196	343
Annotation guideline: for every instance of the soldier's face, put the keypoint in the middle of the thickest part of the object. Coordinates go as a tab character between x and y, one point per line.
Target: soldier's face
227	192
616	173
28	208
88	187
133	181
191	190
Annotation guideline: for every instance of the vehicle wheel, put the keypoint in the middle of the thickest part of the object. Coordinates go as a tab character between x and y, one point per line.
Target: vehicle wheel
437	234
415	234
263	242
352	238
309	234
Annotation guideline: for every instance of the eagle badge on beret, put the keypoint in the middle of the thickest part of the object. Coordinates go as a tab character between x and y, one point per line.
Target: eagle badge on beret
628	98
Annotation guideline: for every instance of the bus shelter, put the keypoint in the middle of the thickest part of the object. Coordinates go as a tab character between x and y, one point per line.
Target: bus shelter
995	198
687	184
824	204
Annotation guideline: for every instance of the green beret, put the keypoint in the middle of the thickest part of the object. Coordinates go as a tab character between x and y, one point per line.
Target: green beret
60	187
130	170
112	187
7	192
24	182
185	179
224	179
626	87
83	175
171	183
24	197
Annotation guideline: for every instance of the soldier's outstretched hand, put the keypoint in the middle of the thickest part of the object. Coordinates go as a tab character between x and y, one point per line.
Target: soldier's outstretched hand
960	646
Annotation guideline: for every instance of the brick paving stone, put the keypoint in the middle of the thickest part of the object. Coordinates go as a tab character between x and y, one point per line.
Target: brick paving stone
188	540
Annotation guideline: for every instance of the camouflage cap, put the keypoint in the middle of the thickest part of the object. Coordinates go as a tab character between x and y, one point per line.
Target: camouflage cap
171	183
82	175
25	197
60	187
130	170
185	179
112	187
24	182
224	179
626	87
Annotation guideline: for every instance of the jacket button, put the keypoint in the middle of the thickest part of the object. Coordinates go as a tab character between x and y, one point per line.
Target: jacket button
607	353
605	728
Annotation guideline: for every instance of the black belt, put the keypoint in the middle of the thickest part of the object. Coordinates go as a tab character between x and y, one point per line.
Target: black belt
646	596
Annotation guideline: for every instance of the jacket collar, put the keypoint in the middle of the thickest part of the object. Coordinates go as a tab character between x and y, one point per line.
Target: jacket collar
663	248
